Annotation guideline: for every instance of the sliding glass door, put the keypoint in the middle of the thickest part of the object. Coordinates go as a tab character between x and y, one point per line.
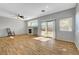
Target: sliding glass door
48	29
44	29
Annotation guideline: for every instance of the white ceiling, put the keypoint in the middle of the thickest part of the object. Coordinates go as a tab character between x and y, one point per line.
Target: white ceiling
32	10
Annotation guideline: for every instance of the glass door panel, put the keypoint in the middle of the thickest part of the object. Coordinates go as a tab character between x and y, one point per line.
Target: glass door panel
43	29
51	29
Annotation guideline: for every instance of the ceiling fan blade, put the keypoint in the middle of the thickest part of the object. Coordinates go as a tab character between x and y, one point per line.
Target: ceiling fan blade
12	14
8	11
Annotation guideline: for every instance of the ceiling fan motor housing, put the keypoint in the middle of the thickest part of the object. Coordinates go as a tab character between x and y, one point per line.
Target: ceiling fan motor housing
21	17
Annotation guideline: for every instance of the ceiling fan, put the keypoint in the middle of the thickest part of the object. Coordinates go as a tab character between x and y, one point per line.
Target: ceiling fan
14	15
20	16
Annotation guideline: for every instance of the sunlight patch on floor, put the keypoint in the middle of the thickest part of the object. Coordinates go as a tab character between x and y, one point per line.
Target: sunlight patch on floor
64	49
43	38
11	37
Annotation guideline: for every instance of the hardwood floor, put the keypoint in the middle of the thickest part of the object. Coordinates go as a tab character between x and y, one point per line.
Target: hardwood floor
28	45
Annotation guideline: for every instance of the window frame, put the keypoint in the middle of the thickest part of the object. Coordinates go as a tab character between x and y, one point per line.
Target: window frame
61	26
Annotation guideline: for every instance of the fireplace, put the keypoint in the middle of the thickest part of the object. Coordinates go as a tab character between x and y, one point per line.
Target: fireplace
32	31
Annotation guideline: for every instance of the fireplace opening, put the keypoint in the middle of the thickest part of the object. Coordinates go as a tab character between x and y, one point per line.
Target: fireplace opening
30	30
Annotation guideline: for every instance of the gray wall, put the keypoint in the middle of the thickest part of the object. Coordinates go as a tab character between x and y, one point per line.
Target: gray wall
61	35
77	27
18	26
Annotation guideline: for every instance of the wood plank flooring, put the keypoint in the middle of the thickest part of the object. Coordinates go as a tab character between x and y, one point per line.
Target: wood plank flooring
27	45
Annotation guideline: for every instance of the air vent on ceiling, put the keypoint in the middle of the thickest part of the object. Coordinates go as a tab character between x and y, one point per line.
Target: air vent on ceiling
42	10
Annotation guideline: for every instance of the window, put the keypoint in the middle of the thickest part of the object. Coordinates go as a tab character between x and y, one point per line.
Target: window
66	24
33	23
